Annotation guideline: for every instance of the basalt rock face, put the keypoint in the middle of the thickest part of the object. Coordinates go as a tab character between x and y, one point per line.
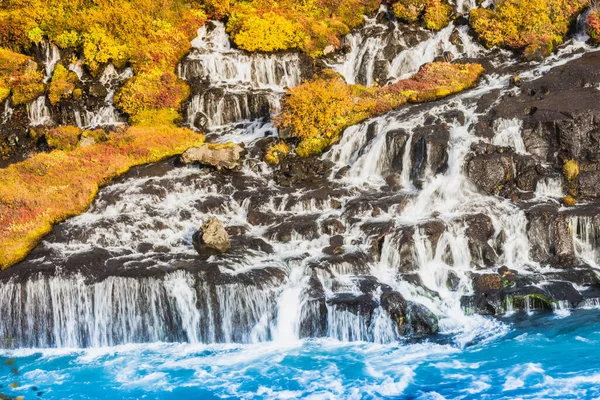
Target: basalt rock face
560	117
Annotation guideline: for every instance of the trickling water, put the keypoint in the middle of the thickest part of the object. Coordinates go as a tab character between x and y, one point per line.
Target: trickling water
52	55
238	86
107	114
39	113
6	113
585	232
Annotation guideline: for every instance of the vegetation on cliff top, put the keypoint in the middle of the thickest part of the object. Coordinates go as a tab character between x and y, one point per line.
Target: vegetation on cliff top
37	193
431	14
534	27
318	111
150	35
309	25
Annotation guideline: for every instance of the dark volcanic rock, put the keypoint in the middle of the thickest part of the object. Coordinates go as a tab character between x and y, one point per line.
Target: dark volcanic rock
429	152
490	172
293	171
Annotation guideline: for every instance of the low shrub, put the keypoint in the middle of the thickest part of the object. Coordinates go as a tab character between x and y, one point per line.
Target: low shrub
534	27
318	111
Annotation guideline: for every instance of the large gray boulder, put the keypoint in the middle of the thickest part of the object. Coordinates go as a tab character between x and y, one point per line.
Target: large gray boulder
226	156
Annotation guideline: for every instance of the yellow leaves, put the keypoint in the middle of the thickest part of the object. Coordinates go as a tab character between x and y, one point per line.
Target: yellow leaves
309	26
268	32
534	26
62	84
318	111
151	90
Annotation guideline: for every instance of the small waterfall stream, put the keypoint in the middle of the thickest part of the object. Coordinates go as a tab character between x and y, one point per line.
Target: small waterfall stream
231	86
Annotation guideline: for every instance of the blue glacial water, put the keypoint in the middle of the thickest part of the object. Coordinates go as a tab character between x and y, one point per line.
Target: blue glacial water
528	357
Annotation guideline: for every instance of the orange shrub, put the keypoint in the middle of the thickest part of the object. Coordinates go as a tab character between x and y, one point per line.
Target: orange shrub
535	27
317	112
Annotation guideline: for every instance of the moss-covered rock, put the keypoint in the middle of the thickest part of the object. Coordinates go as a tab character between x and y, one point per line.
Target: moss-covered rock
571	170
62	84
276	152
431	14
19	76
63	137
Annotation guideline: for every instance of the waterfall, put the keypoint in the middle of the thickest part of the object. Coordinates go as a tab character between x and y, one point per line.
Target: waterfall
52	57
236	86
106	114
39	113
585	232
379	52
67	312
391	221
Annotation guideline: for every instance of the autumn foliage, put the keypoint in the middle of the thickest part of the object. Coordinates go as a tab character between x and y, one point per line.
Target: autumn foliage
318	111
534	27
308	26
593	26
37	193
431	14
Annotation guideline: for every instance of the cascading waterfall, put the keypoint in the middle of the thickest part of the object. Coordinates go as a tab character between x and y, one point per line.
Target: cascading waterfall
239	86
378	52
291	277
106	114
39	113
